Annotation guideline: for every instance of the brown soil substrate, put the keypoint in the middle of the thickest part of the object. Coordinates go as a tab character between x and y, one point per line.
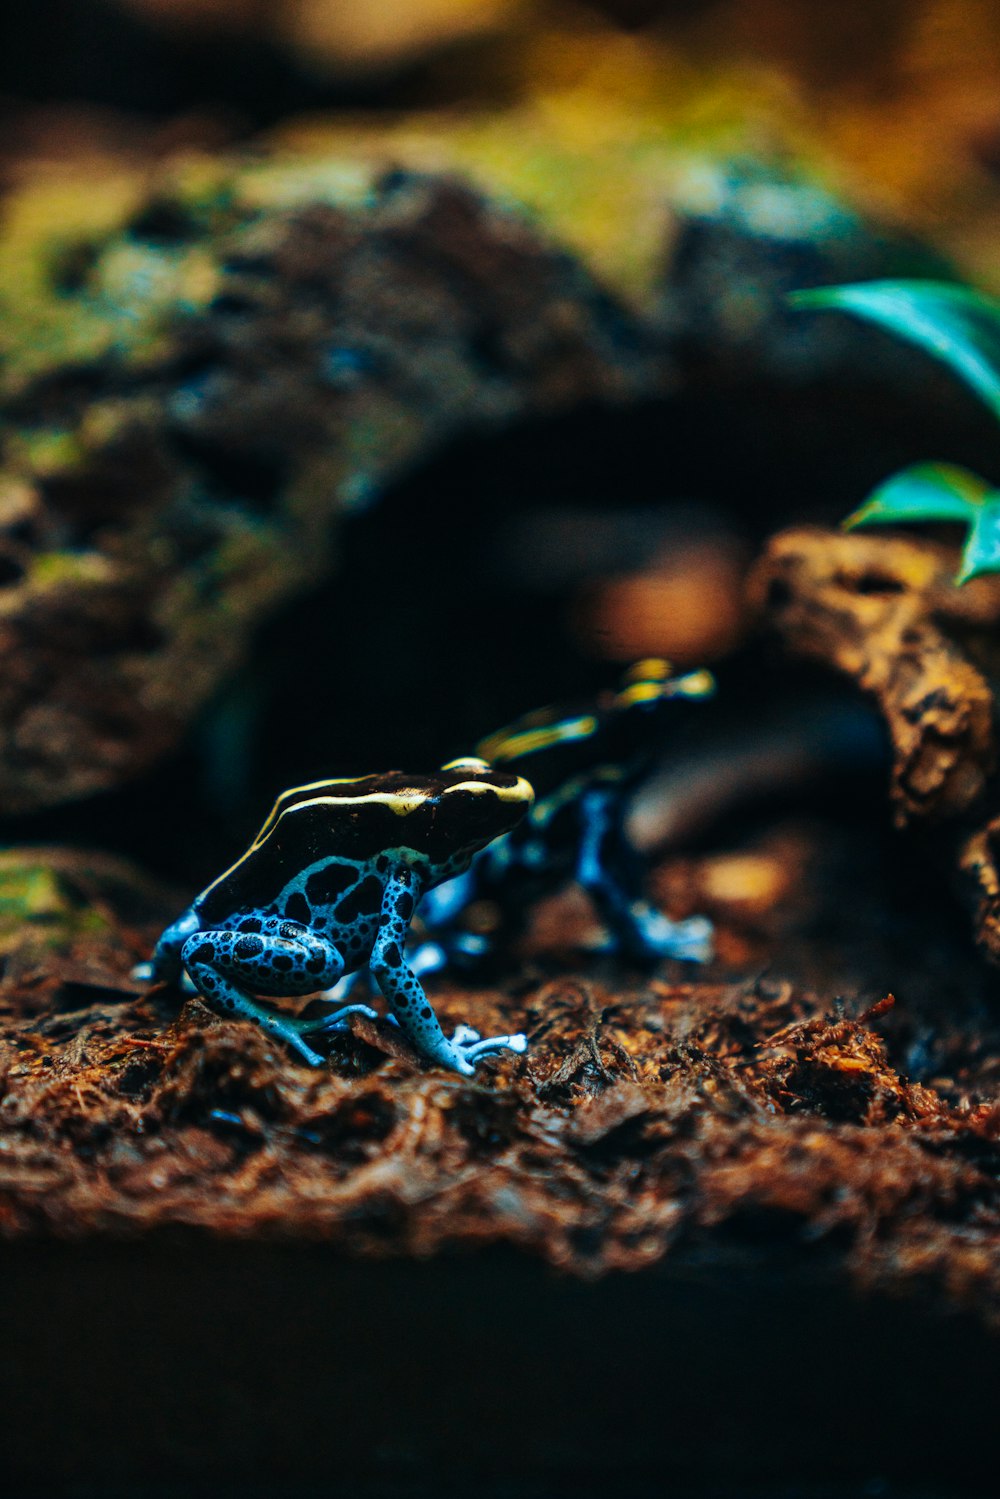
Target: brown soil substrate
801	1180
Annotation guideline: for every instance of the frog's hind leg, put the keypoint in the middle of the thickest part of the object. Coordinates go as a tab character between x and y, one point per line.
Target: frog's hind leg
611	872
277	958
405	994
223	995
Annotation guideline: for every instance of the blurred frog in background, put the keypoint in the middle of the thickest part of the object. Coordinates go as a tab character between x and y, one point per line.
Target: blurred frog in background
584	762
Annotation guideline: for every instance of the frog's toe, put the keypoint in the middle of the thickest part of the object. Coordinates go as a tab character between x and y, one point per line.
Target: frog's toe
295	1032
470	1050
295	1040
463	1035
692	940
142	973
338	1020
517	1042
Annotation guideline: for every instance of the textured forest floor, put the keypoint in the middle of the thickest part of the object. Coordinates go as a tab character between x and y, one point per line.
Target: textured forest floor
772	1099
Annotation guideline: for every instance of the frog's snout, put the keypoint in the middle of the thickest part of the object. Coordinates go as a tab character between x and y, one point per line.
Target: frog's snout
519	796
478	777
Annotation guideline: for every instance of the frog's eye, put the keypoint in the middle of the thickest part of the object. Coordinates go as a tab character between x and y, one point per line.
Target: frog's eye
469	763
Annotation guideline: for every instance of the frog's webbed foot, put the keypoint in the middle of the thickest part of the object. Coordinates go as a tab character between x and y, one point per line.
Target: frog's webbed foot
410	1006
466	1049
338	1020
609	870
656	936
232	1001
287	1028
470	1048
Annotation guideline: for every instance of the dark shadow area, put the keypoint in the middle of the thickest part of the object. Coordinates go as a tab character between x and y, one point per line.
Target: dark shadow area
451	608
256	1369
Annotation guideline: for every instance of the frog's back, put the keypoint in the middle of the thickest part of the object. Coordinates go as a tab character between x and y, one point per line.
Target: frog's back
321	840
550	745
564	749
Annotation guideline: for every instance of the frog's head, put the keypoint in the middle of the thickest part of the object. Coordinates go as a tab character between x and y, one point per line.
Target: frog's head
649	683
475	804
643	708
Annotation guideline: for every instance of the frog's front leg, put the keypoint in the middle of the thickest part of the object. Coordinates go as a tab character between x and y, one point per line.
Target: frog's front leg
405	994
610	871
278	958
166	964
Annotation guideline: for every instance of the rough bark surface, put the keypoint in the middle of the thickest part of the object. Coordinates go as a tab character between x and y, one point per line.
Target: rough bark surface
885	612
195	395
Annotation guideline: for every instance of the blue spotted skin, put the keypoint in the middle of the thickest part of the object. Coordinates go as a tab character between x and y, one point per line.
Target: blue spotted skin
331	883
584	762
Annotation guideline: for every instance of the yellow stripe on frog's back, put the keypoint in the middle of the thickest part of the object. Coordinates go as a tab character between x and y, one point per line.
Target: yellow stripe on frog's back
511	745
300	791
281	805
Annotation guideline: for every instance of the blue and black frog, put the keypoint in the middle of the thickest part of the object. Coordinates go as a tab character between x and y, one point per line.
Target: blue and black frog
331	883
584	763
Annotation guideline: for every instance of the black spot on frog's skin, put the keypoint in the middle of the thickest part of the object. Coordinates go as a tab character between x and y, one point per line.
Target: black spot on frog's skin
426	1012
381	863
289	932
282	962
404	906
328	884
250	924
297	908
248	947
315	964
363	899
392	955
203	954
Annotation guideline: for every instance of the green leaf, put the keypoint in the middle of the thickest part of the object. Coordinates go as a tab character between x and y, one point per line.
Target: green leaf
982	545
955	324
925	492
940	492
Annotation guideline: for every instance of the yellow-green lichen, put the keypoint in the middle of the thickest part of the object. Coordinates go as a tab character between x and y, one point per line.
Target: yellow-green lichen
75	569
37	906
596	152
598	149
44	452
123	300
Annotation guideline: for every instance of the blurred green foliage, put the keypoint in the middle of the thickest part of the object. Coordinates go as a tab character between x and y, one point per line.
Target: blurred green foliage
960	327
